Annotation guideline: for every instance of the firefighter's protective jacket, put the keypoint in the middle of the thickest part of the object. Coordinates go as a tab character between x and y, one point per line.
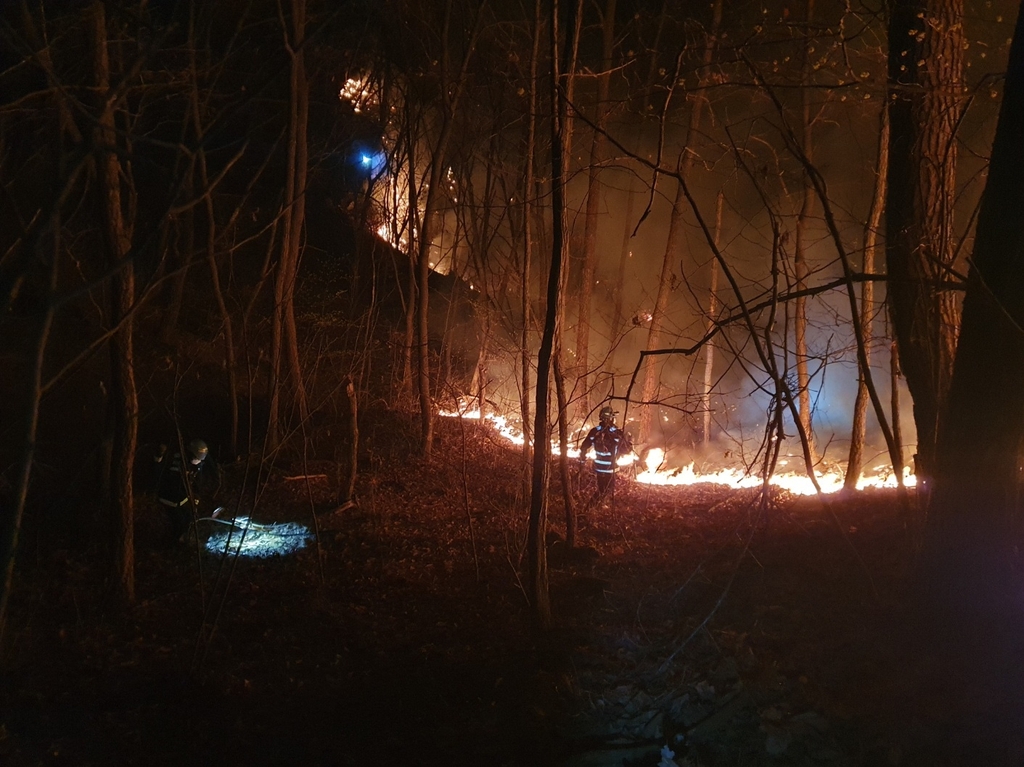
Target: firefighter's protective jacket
176	478
609	442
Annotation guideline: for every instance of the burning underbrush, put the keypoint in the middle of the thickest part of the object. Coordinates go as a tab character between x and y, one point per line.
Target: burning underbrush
655	467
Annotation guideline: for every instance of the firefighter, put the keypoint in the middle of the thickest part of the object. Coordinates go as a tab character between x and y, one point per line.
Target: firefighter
609	442
179	483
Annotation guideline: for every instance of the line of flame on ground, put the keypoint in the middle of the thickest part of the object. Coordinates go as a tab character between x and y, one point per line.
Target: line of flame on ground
655	473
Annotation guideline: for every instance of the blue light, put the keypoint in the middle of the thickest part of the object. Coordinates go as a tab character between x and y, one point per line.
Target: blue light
369	161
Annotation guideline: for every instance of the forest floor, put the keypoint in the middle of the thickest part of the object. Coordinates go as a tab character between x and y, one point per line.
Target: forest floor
695	626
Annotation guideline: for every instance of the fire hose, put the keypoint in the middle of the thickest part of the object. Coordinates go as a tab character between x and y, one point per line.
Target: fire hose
249	525
273	528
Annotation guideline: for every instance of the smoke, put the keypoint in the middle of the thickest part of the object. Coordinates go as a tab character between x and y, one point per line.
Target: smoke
738	153
743	395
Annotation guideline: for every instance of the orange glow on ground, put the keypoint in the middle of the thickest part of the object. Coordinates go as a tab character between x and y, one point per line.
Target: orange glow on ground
796	483
655	473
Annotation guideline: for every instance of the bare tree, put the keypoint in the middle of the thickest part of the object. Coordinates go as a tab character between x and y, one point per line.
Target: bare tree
117	234
975	533
673	246
451	94
285	342
803	220
590	221
709	346
926	100
867	309
536	543
526	280
227	329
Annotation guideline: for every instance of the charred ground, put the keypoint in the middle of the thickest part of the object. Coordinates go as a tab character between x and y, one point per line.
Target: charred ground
734	633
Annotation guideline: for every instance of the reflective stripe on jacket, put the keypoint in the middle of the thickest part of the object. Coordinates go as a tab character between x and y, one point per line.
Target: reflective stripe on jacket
607	442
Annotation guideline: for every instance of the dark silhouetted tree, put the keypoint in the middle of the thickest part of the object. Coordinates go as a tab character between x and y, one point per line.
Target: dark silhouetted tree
926	101
975	522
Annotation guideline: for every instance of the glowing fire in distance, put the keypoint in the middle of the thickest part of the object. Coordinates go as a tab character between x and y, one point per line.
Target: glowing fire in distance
655	473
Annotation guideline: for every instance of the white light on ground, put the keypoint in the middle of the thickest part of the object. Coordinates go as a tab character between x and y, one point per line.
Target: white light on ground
246	538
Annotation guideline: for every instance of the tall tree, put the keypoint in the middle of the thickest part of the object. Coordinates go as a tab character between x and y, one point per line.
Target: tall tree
526	280
211	237
451	94
590	221
672	254
975	522
116	231
285	342
673	245
926	96
629	225
867	308
536	545
803	220
709	346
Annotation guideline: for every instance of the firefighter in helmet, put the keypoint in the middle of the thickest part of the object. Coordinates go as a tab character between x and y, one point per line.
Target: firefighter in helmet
179	481
609	442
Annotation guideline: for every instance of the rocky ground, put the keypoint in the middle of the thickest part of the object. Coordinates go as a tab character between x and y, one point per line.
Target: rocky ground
694	626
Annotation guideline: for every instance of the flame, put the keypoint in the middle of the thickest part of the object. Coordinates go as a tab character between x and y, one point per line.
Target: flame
497	422
831	481
390	189
656	473
359	92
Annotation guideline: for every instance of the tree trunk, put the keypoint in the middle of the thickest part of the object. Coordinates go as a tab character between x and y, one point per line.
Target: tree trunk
618	321
413	276
11	518
673	245
803	379
895	374
975	521
300	84
526	277
348	490
867	307
926	42
437	166
652	369
12	507
480	236
169	317
423	313
536	548
709	345
284	335
590	221
563	456
211	256
123	398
